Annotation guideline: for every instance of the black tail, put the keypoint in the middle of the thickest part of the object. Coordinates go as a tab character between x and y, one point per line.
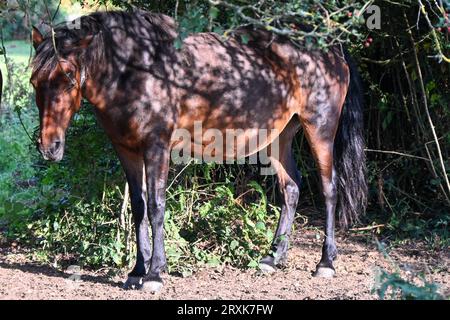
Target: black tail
349	157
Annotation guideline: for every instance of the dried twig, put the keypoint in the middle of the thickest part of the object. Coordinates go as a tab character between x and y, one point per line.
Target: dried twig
441	55
397	153
377	226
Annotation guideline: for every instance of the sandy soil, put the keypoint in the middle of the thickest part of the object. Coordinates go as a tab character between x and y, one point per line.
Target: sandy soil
21	278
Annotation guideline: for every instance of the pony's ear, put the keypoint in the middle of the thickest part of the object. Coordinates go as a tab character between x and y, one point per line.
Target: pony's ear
37	37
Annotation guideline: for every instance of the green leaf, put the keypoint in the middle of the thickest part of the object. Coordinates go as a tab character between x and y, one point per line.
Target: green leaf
387	120
213	262
116	258
260	226
218	30
253	264
435	182
213	12
244	38
178	44
249	222
85	245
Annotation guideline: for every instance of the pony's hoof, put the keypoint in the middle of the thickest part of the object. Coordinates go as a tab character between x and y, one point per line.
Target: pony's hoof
152	286
133	283
266	268
324	272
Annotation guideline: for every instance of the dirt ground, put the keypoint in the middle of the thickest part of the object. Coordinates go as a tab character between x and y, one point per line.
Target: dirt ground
356	266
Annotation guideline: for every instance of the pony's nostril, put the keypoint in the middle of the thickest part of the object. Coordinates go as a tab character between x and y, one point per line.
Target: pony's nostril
57	145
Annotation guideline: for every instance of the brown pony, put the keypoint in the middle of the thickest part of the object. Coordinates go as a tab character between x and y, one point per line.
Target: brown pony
145	90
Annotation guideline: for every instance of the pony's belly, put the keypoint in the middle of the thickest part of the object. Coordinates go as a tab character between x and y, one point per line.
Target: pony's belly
224	144
215	145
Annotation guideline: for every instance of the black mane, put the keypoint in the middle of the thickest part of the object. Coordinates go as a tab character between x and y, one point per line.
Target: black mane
99	26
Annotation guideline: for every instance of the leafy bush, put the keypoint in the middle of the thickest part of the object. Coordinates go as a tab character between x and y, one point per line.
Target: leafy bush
16	171
17	16
396	287
220	227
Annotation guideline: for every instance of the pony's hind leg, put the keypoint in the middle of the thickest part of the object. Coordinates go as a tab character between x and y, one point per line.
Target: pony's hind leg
289	180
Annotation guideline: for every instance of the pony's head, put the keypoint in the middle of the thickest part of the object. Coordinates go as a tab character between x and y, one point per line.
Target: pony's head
57	78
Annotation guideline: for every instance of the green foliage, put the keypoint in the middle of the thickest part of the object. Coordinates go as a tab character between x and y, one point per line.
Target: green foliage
394	286
79	208
17	16
408	188
401	225
18	94
221	227
327	22
88	232
16	170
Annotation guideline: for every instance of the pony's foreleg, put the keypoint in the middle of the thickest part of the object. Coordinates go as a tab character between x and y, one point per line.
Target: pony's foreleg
133	165
156	158
321	140
289	180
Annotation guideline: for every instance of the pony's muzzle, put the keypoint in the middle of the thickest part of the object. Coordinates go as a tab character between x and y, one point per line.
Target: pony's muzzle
53	152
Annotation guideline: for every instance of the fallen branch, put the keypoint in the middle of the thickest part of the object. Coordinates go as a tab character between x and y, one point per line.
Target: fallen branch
368	227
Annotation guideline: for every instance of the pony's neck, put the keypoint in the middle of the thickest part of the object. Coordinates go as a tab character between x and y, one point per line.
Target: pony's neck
94	87
100	82
95	94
